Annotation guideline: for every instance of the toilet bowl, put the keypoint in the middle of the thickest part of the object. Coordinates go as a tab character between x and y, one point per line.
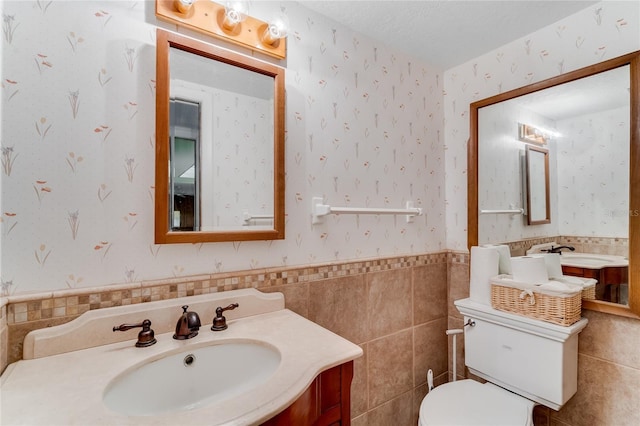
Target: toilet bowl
524	361
470	403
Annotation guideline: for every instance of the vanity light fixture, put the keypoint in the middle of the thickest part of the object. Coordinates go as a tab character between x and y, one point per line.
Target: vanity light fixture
533	134
230	22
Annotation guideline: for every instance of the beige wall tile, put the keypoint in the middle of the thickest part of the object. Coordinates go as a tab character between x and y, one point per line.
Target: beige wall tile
429	291
611	338
397	412
541	415
359	385
296	296
418	395
458	285
340	305
430	350
608	394
361	420
555	422
390	367
389	301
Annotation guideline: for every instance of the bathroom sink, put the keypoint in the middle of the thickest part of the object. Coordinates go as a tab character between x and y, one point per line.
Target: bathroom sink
191	378
594	261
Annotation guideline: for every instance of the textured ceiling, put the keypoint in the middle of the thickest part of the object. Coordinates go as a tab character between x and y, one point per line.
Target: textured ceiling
446	33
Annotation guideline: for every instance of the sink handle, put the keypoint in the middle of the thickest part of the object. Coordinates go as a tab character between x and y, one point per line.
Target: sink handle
146	337
220	322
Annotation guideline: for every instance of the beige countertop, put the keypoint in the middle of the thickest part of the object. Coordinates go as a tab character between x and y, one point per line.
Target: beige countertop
593	260
67	389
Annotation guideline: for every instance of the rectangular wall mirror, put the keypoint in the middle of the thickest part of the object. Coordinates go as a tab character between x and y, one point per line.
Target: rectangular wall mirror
219	144
537	188
590	119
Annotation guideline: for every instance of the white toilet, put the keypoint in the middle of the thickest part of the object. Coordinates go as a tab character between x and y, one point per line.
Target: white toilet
525	362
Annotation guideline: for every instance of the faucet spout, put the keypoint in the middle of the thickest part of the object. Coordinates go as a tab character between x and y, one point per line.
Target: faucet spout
559	249
188	325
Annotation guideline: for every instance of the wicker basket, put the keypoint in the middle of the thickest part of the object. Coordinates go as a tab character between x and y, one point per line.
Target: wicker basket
558	309
589	292
588	285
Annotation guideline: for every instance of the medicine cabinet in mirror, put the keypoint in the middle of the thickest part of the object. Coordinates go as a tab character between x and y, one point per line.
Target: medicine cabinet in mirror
219	144
537	172
590	120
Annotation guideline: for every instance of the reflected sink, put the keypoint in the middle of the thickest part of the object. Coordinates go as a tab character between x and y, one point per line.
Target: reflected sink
595	261
192	378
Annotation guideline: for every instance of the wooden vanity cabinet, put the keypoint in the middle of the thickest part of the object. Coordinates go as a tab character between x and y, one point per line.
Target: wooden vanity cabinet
327	401
609	280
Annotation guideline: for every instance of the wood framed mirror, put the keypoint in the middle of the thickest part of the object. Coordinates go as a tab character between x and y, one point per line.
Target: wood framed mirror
219	144
626	212
537	171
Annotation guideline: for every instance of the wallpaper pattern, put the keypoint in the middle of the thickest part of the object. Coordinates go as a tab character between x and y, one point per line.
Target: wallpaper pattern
364	128
501	177
599	32
596	146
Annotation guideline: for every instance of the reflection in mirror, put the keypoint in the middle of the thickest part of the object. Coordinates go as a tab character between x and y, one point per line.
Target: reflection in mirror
220	132
537	161
184	196
592	125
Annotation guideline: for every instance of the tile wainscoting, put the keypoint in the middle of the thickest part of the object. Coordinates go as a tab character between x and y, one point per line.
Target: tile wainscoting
394	308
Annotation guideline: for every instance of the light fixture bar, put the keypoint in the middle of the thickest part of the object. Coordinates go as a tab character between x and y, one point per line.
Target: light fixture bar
208	18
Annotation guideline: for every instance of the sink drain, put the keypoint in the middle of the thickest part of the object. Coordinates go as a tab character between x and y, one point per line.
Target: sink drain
189	360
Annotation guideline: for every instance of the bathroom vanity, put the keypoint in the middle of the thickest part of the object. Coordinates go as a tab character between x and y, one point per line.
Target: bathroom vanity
611	272
270	366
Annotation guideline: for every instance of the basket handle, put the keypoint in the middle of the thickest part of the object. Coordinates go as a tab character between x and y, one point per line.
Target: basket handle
532	298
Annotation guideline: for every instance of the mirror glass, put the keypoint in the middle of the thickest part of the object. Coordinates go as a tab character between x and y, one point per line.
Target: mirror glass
224	137
588	122
537	169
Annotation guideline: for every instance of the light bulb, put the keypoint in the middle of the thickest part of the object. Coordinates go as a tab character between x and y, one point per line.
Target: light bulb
277	28
234	13
183	6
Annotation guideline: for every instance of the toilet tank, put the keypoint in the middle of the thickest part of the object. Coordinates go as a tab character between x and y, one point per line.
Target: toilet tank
533	358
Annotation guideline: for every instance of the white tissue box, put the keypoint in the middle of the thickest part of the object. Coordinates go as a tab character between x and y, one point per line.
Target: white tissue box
562	306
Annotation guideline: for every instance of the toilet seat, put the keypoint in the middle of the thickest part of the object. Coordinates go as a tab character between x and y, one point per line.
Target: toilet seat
467	402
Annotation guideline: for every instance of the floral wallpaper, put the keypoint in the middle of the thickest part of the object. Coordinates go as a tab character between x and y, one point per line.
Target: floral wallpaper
364	128
596	145
243	172
599	32
501	178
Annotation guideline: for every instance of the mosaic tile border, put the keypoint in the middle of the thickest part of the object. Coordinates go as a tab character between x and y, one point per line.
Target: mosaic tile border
22	309
599	245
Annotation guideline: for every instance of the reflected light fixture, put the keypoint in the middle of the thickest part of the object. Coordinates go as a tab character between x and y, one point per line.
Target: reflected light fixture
277	29
234	13
533	134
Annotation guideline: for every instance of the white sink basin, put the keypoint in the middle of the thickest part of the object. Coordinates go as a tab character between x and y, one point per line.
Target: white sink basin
191	378
594	261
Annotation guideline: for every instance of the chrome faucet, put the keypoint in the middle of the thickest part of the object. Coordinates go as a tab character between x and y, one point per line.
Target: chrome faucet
188	325
558	249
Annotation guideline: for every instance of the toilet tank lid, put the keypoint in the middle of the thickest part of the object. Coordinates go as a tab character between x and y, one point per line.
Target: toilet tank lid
469	308
467	402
